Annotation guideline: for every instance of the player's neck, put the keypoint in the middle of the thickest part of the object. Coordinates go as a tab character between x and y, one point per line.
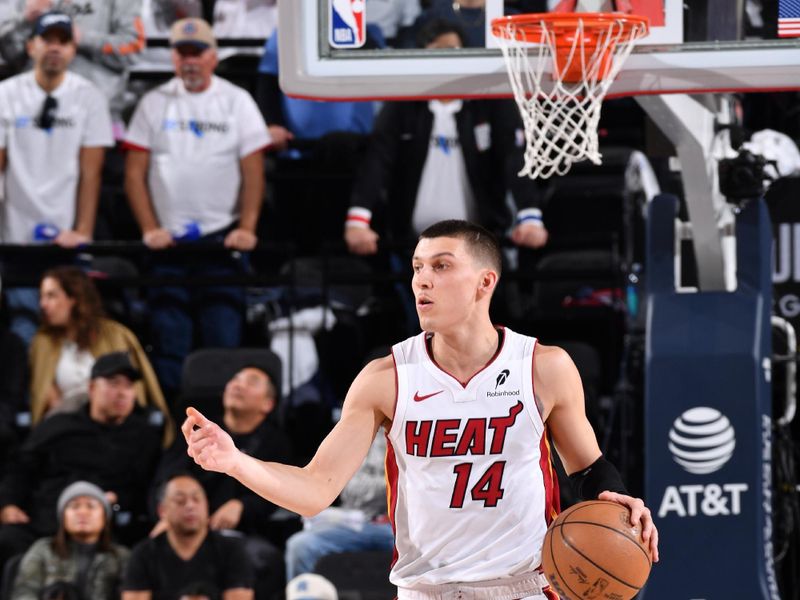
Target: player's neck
465	352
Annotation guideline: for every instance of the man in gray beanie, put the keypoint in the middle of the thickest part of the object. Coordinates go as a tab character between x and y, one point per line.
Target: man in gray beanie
82	488
80	559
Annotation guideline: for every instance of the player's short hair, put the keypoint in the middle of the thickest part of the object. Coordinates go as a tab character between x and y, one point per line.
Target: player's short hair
480	241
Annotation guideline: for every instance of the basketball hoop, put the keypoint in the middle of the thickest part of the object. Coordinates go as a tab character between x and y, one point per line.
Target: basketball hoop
583	52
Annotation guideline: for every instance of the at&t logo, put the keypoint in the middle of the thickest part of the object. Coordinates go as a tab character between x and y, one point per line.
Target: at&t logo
702	440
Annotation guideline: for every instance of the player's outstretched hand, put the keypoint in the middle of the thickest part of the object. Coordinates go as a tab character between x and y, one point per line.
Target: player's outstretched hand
209	446
640	515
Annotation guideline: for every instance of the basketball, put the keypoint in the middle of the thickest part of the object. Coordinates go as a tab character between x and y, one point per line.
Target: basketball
592	551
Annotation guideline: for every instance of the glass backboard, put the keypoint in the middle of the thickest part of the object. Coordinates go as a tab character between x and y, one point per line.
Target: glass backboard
694	46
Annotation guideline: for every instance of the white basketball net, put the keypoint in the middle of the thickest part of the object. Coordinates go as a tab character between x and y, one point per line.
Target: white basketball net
561	118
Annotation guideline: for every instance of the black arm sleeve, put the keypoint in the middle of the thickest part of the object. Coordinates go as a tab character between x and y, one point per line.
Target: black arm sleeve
598	477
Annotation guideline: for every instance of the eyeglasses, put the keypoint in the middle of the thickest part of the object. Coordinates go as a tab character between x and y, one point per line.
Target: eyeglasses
48	115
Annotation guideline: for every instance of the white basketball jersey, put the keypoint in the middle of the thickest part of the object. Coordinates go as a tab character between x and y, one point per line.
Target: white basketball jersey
470	484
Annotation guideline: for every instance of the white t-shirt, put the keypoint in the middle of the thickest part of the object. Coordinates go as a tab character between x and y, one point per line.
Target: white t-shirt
196	141
444	190
72	376
43	166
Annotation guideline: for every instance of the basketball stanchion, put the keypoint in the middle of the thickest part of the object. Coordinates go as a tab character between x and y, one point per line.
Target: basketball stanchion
583	53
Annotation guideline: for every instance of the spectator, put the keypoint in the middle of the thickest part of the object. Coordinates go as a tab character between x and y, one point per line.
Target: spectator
315	174
54	126
359	523
108	37
311	587
74	333
306	119
444	160
195	164
249	401
80	556
467	15
158	17
187	555
112	443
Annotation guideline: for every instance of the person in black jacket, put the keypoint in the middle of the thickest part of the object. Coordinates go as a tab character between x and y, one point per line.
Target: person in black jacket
454	159
249	399
112	442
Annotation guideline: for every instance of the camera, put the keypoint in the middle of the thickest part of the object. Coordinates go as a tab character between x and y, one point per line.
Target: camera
744	177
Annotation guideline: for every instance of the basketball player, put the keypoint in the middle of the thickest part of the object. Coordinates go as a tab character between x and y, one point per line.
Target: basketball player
465	406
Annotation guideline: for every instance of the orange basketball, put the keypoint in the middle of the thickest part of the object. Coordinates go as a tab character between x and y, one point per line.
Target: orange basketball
592	551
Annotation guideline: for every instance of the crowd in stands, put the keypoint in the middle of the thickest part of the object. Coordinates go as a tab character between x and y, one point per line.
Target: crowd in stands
98	498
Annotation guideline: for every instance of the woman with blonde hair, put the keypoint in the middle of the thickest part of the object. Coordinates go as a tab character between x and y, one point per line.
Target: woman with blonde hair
74	332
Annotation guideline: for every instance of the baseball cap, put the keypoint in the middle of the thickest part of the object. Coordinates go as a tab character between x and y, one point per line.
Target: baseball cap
53	20
82	488
310	586
115	363
192	31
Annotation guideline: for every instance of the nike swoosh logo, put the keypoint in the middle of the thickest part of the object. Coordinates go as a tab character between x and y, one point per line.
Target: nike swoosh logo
418	398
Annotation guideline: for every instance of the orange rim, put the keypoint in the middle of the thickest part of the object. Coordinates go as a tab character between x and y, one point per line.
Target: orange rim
528	26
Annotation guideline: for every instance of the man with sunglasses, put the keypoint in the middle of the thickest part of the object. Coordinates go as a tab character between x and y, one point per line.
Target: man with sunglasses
54	127
194	174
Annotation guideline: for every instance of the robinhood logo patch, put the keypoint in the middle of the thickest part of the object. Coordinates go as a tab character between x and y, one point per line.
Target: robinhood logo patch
501	378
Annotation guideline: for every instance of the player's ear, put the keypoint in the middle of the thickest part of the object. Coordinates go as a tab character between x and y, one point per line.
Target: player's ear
488	281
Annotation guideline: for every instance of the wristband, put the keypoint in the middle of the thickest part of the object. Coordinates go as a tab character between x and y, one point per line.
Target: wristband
530	215
358	216
598	477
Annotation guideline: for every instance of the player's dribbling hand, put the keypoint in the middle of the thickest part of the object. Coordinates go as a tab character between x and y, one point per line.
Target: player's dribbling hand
207	443
640	515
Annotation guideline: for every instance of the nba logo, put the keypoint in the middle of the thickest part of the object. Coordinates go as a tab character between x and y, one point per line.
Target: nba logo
348	25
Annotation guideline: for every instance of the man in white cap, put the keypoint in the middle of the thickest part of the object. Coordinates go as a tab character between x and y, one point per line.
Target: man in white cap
310	586
194	171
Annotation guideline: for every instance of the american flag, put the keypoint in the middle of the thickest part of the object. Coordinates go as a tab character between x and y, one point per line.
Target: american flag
789	18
